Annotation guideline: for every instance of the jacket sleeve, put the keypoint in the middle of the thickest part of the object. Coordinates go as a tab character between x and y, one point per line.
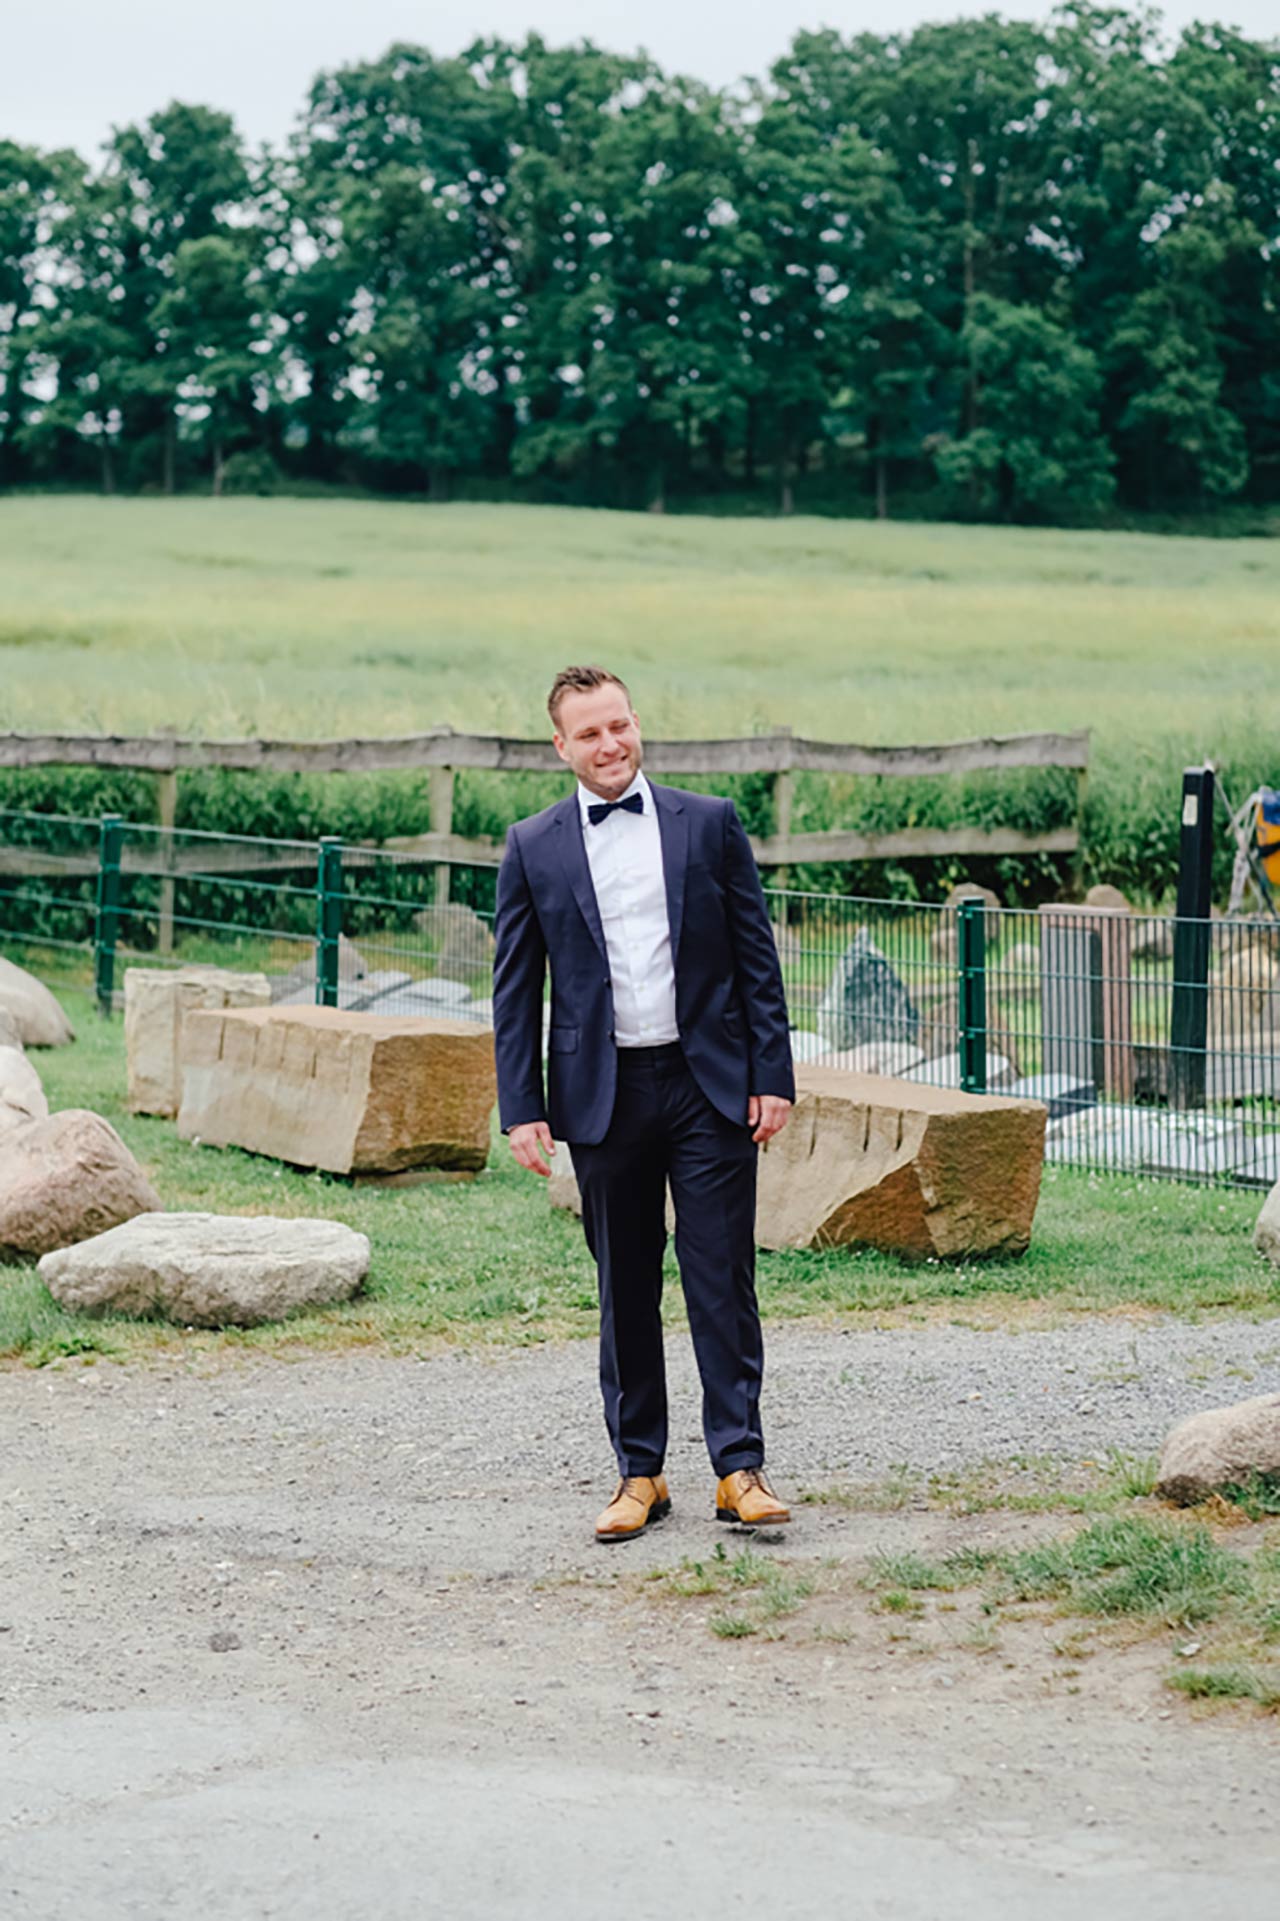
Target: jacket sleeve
519	977
758	970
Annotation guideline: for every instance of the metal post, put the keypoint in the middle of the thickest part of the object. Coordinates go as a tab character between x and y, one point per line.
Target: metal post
107	920
972	927
328	920
1189	1026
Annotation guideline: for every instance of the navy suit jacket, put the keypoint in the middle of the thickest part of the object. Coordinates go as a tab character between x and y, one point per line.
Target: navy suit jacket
730	1006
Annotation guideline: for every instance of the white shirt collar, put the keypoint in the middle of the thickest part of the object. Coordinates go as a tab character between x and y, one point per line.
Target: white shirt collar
639	786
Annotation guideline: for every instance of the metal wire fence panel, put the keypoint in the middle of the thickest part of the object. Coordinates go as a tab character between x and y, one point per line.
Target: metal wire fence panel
49	878
1153	1042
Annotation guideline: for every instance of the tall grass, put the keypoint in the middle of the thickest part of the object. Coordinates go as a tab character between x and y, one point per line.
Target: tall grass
318	618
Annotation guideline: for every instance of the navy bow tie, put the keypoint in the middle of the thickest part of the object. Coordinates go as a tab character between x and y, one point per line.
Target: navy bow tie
601	809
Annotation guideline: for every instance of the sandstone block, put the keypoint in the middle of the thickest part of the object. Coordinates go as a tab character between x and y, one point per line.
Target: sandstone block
346	1092
209	1270
21	1093
36	1014
1223	1446
913	1169
869	1160
156	1002
64	1179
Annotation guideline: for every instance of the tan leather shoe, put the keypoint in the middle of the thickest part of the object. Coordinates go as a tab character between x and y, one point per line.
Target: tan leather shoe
638	1501
747	1498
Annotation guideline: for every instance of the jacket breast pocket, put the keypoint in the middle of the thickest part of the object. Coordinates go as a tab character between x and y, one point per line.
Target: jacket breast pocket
563	1040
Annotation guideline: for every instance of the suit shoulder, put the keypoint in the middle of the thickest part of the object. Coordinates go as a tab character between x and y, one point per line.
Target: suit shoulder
531	827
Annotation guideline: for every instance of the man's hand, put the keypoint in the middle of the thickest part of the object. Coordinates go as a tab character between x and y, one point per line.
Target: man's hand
767	1114
532	1145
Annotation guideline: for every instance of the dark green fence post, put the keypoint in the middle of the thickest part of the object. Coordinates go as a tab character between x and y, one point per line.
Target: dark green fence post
107	920
328	920
973	996
1189	1019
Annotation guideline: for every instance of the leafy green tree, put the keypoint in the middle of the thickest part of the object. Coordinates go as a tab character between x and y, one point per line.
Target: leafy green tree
216	344
35	190
1036	446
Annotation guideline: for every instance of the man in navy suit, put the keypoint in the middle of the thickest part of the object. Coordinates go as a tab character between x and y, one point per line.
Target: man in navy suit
668	1059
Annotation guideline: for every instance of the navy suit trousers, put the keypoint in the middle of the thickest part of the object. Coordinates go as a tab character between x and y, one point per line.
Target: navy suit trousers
664	1128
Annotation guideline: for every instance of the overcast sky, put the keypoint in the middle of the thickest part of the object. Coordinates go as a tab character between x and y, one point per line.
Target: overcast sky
71	69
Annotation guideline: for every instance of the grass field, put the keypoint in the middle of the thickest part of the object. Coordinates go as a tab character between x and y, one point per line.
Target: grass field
490	1261
333	617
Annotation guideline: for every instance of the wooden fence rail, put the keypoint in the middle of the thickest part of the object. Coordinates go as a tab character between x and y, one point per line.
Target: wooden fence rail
441	753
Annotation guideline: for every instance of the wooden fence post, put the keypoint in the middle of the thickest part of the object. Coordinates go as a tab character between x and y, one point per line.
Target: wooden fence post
167	809
440	790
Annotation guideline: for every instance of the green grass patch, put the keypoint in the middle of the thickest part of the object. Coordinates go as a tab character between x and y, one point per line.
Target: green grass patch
1227	1684
1126	1564
1257	1497
491	1261
333	617
763	1591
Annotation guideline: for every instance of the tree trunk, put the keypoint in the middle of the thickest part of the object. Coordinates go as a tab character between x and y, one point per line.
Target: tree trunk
786	473
882	486
749	446
218	466
170	473
970	282
437	481
657	503
108	467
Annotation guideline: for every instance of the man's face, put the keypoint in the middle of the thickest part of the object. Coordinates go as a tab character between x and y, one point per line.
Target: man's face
599	738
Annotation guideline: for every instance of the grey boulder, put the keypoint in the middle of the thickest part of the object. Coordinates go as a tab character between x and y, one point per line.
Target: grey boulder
1266	1235
1221	1448
64	1179
21	1095
210	1270
37	1016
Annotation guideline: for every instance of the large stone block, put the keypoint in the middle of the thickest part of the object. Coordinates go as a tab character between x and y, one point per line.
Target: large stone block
156	1002
346	1092
910	1168
64	1179
209	1270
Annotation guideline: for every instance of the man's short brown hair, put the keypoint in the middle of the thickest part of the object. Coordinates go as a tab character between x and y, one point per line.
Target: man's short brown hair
579	680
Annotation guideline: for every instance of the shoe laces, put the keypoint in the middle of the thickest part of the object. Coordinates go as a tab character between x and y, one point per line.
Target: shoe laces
756	1478
632	1484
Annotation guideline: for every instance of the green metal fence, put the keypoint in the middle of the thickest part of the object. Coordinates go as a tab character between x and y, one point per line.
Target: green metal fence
1076	1006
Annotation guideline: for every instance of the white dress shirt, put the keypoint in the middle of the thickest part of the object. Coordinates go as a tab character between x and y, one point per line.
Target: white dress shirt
624	852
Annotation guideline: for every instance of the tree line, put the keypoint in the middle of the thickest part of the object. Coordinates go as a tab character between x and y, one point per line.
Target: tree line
1019	271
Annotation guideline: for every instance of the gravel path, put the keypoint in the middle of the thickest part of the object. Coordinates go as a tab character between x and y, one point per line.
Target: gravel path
307	1638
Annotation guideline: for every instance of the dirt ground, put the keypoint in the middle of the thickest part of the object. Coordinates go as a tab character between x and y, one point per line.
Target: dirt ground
332	1638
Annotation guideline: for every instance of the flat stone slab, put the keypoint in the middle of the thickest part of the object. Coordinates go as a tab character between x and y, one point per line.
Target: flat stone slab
156	1002
343	1091
907	1167
209	1270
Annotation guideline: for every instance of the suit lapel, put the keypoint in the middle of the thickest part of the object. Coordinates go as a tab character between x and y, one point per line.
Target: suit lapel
673	830
568	820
